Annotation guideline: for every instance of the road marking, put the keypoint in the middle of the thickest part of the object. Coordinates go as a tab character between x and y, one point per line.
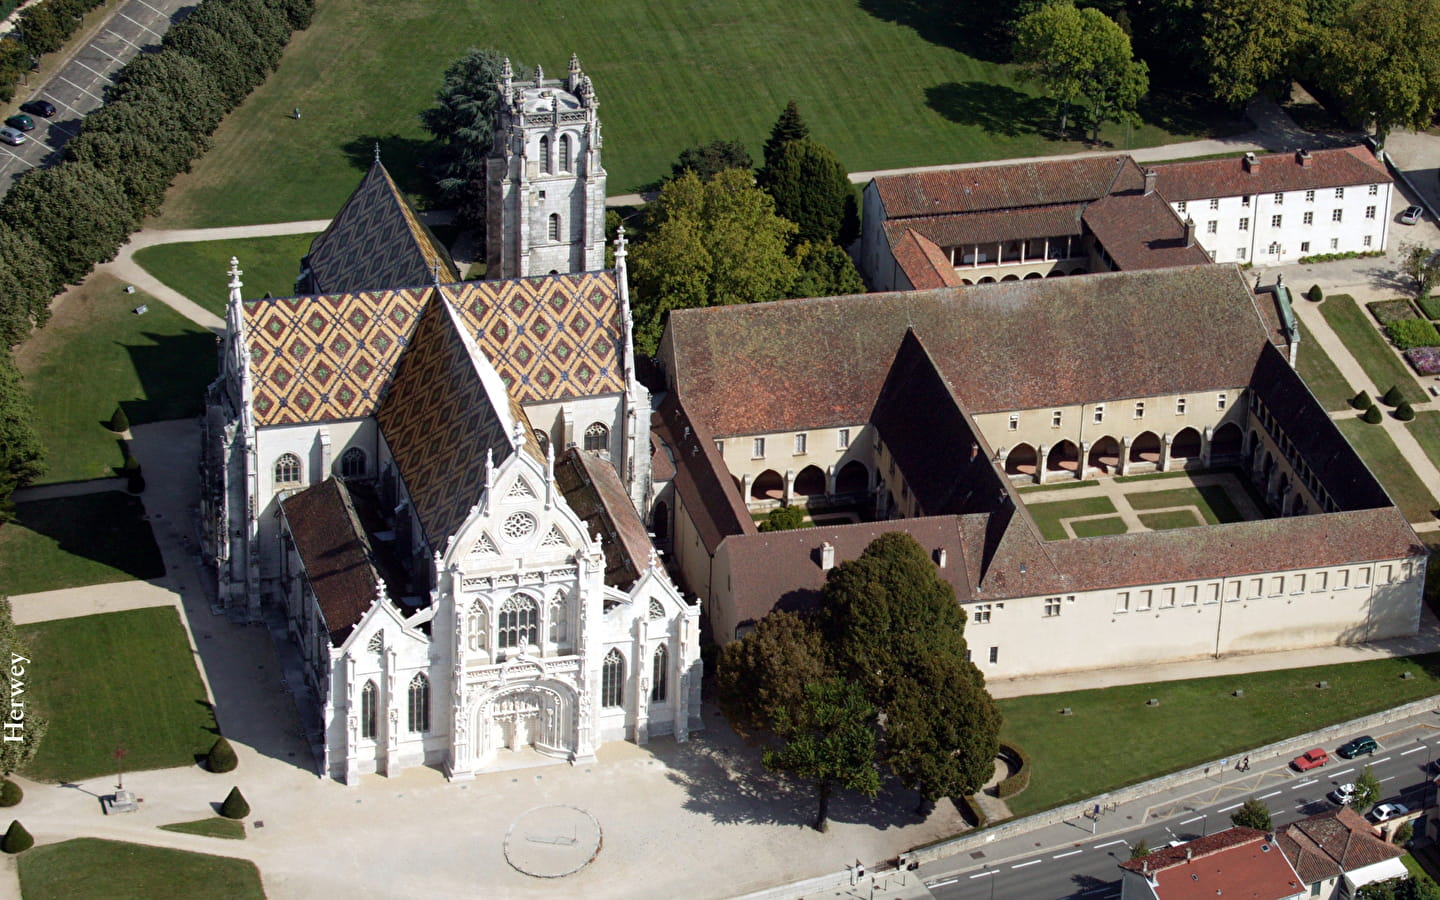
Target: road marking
96	71
1376	762
158	12
1342	772
1391	778
1110	844
983	874
1413	750
18	156
78	87
1024	864
935	884
1068	853
145	27
1228	808
1269	795
1188	821
101	49
1302	784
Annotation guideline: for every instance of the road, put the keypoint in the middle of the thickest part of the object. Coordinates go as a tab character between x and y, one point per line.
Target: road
1087	868
79	86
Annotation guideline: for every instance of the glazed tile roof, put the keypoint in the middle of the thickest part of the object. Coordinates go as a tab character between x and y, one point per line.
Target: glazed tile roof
1333	842
925	264
328	357
1000	347
376	243
1141	231
1008	186
593	490
1236	862
335	553
1277	173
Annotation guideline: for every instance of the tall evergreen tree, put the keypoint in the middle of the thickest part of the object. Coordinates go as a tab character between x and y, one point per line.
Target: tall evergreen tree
811	188
789	127
462	121
767	670
829	740
22	456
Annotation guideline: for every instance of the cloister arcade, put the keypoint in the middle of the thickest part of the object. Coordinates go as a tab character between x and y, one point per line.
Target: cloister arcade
1126	455
851	481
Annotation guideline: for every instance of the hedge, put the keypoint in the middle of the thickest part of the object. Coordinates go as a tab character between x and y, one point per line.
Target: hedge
1410	333
1018	782
971	812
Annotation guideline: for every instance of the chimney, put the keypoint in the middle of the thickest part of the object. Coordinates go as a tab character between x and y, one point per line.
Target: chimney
1188	853
1304	159
1150	178
1189	232
827	556
1252	164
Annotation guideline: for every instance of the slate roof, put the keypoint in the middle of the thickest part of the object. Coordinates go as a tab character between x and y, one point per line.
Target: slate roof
925	264
328	357
1236	862
336	554
1277	172
376	243
798	364
1141	231
1331	843
1009	186
593	490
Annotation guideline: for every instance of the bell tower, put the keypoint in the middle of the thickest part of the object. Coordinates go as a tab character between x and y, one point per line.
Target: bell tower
545	201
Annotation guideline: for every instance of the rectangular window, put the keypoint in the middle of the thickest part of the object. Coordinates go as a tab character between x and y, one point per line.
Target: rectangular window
1334	243
1257	588
1140	409
1167	597
757	448
1275	221
981	614
1387	574
1366	242
1244	201
1220	401
1279	199
1297	584
994	655
1145	599
1055	418
1308	218
1337	216
1212	593
1339	193
1212	226
1321	578
1342	580
1192	595
1274	249
1277	585
1309	196
1374	190
1214	204
1232	591
1122	601
1369	212
1099	413
842	438
1014	421
1180	207
1179	406
800	441
1304	246
1052	607
1240	253
1362	577
1244	224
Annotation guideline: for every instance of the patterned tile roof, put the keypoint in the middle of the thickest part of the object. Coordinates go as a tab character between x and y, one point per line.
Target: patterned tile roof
376	243
1325	845
1276	173
1009	186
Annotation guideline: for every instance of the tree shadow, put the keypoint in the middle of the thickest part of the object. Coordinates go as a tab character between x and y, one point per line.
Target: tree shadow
406	159
174	370
107	527
982	37
996	108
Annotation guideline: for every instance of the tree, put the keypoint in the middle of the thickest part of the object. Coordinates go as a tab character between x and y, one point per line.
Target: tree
1049	44
10	793
1392	396
709	243
1252	814
1140	850
1081	58
1114	84
462	121
17	839
895	628
193	99
783	518
22	456
235	805
765	671
811	188
1367	790
830	741
221	757
119	422
1248	43
1373	416
1382	59
27	282
1421	265
789	127
825	271
77	213
708	159
1399	889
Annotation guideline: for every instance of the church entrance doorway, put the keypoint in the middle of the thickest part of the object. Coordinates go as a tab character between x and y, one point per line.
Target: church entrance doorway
525	717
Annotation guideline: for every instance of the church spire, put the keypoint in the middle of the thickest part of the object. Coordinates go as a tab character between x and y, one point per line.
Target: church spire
235	284
377	153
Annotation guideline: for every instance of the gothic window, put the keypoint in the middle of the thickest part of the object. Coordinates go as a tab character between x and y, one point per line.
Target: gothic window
287	469
518	622
564	152
518	526
419	703
612	680
545	154
554	228
542	441
660	669
475	627
656	610
597	437
352	463
559	627
367	710
377	642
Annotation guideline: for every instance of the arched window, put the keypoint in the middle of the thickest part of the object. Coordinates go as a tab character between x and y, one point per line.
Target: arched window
559	626
657	609
554	227
419	703
564	152
543	441
597	437
545	154
475	627
659	670
352	464
517	622
612	680
287	469
367	710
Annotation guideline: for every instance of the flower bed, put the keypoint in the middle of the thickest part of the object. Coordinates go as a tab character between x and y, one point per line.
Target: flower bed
1425	360
1387	311
1407	334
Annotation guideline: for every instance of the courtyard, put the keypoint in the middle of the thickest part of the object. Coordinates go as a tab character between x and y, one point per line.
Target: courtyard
1141	503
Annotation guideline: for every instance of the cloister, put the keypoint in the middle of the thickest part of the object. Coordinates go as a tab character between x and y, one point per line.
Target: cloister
1127	455
851	481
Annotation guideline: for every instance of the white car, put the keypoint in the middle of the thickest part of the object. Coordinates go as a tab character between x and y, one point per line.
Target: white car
1343	794
1387	811
12	136
1411	215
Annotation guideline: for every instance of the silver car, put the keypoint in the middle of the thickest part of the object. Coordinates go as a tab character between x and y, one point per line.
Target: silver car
1387	811
12	136
1411	215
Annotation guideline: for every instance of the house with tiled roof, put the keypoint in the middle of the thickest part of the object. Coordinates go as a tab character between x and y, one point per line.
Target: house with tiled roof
1337	852
1236	862
435	484
929	412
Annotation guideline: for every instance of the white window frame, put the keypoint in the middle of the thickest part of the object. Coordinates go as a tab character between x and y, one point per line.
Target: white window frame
1221	400
757	448
842	438
801	441
1099	413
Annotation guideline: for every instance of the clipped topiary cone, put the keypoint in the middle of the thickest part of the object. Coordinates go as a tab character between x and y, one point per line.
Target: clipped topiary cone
1404	412
119	422
1393	397
1362	400
1315	294
10	793
235	806
221	757
17	839
1373	415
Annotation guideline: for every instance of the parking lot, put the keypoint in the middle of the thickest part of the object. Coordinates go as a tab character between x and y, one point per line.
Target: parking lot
79	86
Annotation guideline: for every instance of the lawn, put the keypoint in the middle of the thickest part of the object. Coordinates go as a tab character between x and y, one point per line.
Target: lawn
1370	349
1049	515
95	353
119	679
198	270
95	869
70	541
1318	371
882	84
214	827
1098	527
1425	428
1394	473
1175	518
1063	486
1197	720
1211	500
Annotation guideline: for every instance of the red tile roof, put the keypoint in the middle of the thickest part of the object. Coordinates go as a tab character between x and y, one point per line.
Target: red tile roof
964	229
1235	863
1326	845
925	264
1141	231
335	553
1008	186
593	490
1276	173
702	481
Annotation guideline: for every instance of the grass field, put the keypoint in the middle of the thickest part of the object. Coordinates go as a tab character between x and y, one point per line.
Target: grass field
1049	515
1384	459
879	82
1175	518
198	270
1099	527
1370	349
1062	486
1212	501
1124	741
95	353
95	869
1318	371
119	679
1425	428
69	541
215	827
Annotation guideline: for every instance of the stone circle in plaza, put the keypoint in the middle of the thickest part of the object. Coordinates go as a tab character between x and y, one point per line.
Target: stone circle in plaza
553	841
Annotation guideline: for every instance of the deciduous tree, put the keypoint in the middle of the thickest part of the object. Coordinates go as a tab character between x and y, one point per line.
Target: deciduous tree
829	740
708	159
1252	814
1421	265
1367	790
1383	61
1082	58
825	271
80	215
462	122
1248	43
27	281
15	754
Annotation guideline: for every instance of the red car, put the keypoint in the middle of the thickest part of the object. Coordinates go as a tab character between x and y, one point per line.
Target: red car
1311	759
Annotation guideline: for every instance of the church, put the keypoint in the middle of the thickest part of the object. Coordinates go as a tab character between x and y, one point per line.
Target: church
437	481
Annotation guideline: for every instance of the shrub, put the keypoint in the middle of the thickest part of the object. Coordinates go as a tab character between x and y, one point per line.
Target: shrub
10	793
784	518
221	757
135	483
131	466
1404	411
1430	306
1021	779
1315	294
17	839
1408	333
119	422
1373	415
1404	833
1387	311
1393	397
1425	360
235	806
1140	850
970	811
1362	400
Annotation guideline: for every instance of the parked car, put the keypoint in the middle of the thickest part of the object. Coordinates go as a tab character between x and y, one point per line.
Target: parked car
1311	759
1363	744
11	136
21	123
42	108
1343	794
1387	811
1411	215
